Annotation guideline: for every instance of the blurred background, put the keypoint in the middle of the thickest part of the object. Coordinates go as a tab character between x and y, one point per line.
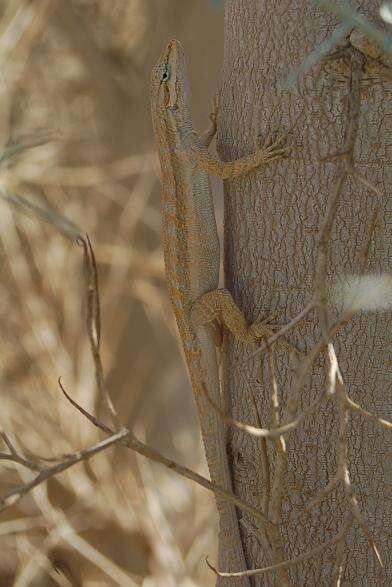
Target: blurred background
76	141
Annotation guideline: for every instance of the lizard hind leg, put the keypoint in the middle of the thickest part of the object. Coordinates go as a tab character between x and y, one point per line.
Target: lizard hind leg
219	306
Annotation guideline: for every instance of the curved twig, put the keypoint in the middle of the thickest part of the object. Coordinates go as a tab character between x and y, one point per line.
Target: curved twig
136	445
365	413
288	563
265	432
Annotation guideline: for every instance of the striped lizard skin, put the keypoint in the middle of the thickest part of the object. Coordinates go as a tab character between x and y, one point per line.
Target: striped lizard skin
192	259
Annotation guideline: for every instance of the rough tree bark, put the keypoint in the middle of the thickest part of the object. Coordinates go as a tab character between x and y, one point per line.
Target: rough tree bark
272	222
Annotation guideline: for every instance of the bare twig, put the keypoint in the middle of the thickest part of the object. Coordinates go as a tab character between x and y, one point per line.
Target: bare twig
271	433
320	294
344	474
368	184
87	415
343	170
289	326
21	461
17	492
381	422
312	356
8	443
278	484
280	445
315	56
136	445
93	323
335	381
337	571
288	563
264	460
353	18
15	457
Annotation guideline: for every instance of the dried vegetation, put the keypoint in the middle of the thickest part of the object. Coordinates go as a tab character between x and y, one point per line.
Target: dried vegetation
77	158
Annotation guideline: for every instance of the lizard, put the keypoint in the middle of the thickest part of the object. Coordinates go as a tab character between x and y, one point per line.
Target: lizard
192	260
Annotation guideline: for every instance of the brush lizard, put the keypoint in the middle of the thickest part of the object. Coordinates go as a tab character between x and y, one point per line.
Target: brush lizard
192	259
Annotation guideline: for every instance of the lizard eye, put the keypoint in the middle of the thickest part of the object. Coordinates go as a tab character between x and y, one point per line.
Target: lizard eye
165	75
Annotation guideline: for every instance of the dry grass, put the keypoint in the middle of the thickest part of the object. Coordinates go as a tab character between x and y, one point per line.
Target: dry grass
75	137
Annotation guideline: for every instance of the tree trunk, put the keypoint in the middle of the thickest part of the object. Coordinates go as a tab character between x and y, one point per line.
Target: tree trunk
272	223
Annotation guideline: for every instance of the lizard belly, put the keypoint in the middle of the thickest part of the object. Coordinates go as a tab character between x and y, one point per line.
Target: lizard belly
203	241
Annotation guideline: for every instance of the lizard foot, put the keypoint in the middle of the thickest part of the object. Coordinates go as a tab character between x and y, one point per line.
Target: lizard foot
273	147
218	305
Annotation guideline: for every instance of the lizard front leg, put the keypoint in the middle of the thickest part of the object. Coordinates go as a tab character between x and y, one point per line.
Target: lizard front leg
197	154
219	305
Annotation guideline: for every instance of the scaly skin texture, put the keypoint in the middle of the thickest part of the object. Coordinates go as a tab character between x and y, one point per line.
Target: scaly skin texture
192	258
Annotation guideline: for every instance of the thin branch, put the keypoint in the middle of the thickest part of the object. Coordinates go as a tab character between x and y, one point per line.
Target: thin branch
337	570
278	483
357	408
345	165
272	433
366	182
344	474
289	326
357	20
17	492
280	445
335	381
93	322
343	170
8	443
315	56
332	370
312	356
264	460
21	461
288	563
84	412
136	445
97	303
320	294
15	457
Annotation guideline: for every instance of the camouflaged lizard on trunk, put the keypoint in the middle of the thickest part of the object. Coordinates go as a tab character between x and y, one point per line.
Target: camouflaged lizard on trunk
192	259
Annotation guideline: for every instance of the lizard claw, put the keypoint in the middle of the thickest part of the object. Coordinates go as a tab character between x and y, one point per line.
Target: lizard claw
272	146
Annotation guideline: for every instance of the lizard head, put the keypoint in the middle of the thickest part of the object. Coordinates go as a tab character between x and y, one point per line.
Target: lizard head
169	85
